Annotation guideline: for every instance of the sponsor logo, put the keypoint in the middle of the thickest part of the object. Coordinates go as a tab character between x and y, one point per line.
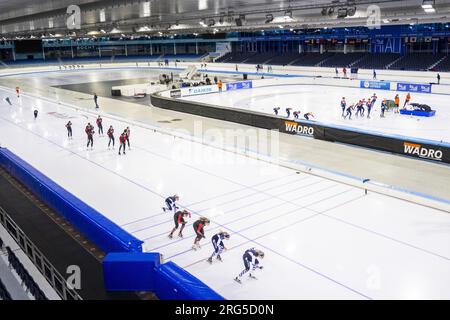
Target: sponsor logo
175	93
297	128
239	85
422	152
409	87
199	90
381	85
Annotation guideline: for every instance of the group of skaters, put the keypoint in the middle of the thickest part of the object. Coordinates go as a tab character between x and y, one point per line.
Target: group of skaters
296	114
364	107
8	100
251	256
124	138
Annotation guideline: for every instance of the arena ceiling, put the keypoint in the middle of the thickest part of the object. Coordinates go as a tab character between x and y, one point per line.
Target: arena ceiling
49	17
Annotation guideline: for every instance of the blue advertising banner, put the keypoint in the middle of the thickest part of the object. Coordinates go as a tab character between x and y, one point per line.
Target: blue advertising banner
380	85
411	87
239	85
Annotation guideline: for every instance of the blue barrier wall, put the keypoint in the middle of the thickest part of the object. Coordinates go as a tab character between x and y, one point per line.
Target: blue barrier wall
143	272
175	283
100	230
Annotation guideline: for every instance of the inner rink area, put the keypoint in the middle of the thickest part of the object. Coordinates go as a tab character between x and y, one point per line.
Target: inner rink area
322	239
324	103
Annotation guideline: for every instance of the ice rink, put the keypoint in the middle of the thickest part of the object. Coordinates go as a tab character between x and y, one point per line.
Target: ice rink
322	239
324	103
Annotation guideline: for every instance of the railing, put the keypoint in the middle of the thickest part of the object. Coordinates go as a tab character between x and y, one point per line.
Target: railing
56	280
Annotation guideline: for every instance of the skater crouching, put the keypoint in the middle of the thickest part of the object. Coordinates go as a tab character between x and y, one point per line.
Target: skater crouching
171	203
199	226
178	218
251	260
219	246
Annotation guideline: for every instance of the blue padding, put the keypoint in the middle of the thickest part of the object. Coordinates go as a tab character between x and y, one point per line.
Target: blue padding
130	271
100	230
174	283
418	113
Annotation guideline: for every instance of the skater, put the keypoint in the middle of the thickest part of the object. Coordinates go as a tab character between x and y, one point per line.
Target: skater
127	136
251	260
439	78
407	100
349	112
199	227
18	92
276	110
100	125
69	129
288	112
110	134
96	101
337	72
171	203
383	108
374	75
369	105
344	71
360	108
219	246
220	85
178	218
296	114
396	103
343	105
237	68
308	115
35	114
122	140
8	100
90	135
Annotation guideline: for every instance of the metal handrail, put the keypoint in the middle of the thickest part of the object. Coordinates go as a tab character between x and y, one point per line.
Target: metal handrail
56	280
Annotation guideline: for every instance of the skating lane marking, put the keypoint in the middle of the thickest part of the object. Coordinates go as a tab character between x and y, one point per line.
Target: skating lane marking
233	200
246	205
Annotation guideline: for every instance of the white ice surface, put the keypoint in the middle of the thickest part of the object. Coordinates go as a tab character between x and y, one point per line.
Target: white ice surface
322	239
324	103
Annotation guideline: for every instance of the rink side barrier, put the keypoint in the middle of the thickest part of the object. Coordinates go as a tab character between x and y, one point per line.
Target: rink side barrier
144	272
411	147
100	230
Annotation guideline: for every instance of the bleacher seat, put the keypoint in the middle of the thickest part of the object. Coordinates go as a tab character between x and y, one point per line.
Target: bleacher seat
4	294
416	62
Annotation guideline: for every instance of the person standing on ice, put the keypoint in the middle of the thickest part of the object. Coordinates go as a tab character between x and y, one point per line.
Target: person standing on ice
337	72
127	136
96	101
343	105
383	108
171	203
349	112
344	71
407	100
369	105
110	134
219	246
18	92
35	114
100	125
90	135
69	129
396	103
251	261
122	141
178	218
199	228
439	78
374	75
220	85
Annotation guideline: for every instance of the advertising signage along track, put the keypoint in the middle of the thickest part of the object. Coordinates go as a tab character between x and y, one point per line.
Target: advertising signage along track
438	152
